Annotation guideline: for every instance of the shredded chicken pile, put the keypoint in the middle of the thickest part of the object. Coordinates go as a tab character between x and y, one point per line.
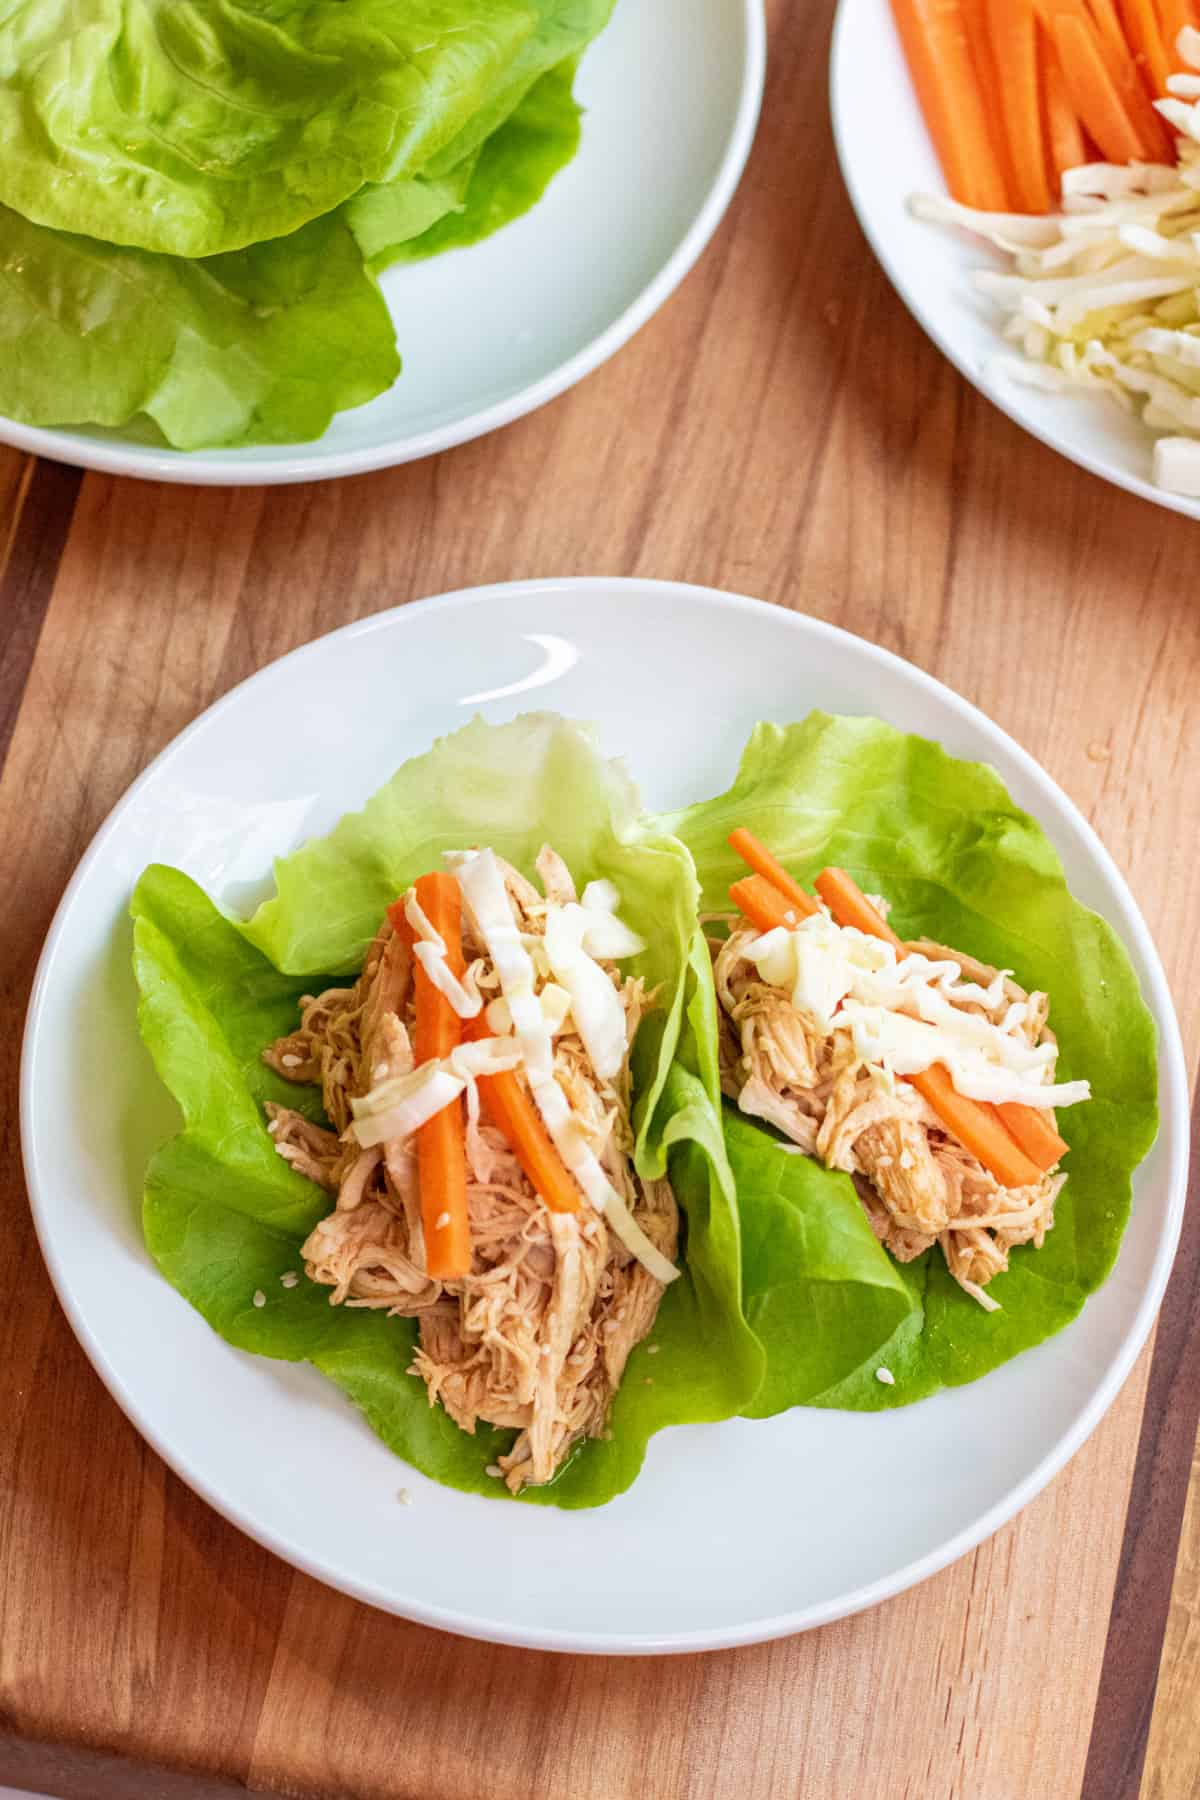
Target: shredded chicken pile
918	1185
537	1335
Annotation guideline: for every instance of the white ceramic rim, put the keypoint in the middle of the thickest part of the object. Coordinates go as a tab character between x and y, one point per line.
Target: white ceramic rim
844	126
202	468
1174	1134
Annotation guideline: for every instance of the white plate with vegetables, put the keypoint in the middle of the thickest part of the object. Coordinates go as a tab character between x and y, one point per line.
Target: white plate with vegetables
604	1361
444	216
1104	371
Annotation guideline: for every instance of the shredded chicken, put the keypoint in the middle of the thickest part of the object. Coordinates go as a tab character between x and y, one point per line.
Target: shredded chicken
536	1337
919	1186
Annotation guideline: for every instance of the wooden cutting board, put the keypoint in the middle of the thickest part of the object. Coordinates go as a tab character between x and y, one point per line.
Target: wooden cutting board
781	429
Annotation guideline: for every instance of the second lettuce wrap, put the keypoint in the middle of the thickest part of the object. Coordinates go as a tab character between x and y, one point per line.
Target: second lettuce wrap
962	864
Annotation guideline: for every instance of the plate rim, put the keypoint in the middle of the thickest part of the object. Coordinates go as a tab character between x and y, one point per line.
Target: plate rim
995	391
1173	1140
220	468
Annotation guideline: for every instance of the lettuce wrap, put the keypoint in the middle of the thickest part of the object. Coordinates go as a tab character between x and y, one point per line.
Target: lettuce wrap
942	840
224	1216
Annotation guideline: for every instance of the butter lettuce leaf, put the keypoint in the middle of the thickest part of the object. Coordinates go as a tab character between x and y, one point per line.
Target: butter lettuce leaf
262	346
194	127
224	1216
497	183
961	863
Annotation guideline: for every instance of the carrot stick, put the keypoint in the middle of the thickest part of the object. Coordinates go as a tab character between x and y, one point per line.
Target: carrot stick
1064	134
756	856
1012	32
987	80
1174	15
441	1141
977	1124
977	1127
1123	69
934	37
760	901
1034	1133
510	1107
1146	41
1092	91
850	906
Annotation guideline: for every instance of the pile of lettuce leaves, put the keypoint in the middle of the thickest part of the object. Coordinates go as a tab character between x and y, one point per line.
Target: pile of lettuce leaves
198	196
786	1298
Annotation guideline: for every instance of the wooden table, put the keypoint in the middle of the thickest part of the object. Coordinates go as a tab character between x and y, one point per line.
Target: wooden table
796	438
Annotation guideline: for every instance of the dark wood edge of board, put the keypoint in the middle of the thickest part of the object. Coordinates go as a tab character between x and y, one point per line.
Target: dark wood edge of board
1146	1572
39	538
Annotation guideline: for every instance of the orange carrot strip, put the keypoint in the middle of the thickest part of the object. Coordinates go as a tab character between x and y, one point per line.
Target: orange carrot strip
1174	15
850	906
934	37
975	1123
987	81
1034	1133
441	1141
1093	93
1065	147
1146	41
760	901
977	1127
1012	32
1122	67
510	1107
756	856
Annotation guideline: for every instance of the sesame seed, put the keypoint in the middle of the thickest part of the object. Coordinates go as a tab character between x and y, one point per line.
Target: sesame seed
379	1071
886	1376
494	1470
289	1280
273	1127
260	1299
653	1349
291	1062
441	1222
649	1380
404	1497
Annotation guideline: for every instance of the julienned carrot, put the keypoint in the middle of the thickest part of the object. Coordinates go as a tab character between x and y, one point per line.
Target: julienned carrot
987	81
975	1123
1146	40
1174	14
1012	31
1065	147
934	36
850	906
1122	67
1094	94
760	901
1034	1133
441	1141
511	1109
977	1127
756	856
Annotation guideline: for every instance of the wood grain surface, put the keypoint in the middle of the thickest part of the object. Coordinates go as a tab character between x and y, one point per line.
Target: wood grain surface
781	429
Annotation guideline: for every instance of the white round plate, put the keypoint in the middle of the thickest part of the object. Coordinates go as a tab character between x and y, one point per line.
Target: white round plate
671	92
732	1532
886	156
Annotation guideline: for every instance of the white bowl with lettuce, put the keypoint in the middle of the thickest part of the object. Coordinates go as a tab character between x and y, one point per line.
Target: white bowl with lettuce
737	1496
241	252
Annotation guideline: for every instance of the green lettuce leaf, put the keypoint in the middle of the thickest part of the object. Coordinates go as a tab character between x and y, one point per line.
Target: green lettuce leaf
224	1216
563	31
499	181
261	346
193	127
943	841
